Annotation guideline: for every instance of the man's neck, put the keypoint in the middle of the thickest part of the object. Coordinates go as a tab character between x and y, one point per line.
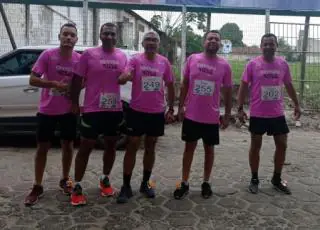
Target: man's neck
150	56
66	52
210	55
108	49
268	59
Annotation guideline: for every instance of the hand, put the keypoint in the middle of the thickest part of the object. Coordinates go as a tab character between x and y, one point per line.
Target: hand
242	116
297	112
61	87
75	109
124	78
170	116
181	112
224	121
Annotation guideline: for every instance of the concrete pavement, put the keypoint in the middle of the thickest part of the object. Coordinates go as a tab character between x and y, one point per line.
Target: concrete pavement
231	207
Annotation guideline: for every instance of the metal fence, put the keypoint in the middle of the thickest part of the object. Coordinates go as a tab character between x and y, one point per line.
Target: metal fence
181	34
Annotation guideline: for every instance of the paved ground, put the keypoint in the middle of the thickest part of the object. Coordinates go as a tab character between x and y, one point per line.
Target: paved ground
231	207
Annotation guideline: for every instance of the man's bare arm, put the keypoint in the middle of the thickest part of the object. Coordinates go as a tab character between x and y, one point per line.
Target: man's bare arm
183	92
76	86
242	93
227	94
37	81
292	94
171	95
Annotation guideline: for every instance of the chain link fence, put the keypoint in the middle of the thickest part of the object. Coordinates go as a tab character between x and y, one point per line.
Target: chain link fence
33	25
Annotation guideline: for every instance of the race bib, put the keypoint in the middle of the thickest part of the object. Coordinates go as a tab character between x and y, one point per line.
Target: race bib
271	93
151	84
108	101
203	88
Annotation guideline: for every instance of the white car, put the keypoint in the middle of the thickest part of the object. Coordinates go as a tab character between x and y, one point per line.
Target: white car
18	100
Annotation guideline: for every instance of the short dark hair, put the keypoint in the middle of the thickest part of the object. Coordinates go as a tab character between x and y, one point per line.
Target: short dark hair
211	31
109	24
269	35
68	24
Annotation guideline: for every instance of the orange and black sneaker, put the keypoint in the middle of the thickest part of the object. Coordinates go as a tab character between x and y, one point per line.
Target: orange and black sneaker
66	186
105	187
34	195
182	189
77	196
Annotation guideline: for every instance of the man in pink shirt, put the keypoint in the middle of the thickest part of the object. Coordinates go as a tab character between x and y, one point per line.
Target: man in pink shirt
204	75
266	75
149	73
99	68
53	73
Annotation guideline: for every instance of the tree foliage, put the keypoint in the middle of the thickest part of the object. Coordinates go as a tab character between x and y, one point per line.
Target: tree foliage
232	32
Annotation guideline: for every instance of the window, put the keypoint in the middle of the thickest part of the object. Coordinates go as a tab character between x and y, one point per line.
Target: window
18	63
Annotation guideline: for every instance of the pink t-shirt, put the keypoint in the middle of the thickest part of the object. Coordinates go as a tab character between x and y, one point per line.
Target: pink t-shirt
101	71
266	82
206	76
51	66
148	82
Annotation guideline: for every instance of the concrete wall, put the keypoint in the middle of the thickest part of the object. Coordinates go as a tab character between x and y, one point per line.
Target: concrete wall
45	25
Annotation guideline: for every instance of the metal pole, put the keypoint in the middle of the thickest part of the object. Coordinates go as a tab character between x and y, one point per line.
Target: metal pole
7	25
27	35
304	56
267	27
85	21
183	39
95	26
208	22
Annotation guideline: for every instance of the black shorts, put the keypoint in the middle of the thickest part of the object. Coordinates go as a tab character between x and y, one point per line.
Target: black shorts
193	131
96	123
48	124
150	124
271	126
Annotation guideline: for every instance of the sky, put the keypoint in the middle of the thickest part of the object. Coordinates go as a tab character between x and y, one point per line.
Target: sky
253	26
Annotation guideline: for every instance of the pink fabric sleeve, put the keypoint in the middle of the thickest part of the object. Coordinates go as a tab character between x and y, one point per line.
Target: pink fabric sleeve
41	65
227	79
287	79
82	66
247	74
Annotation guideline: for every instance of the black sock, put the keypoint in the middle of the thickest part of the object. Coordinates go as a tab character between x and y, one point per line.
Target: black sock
276	177
126	179
146	175
254	176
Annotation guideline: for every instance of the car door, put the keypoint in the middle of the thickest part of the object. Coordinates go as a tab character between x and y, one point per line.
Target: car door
17	97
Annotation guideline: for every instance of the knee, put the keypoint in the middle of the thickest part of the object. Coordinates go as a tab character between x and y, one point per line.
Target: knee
43	148
87	145
281	146
67	146
134	143
150	144
110	145
208	150
256	143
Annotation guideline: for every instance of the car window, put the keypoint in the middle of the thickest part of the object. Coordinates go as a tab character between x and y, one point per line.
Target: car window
19	63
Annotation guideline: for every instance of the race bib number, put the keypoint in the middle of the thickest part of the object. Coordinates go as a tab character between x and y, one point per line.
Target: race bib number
151	84
108	101
271	93
203	88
